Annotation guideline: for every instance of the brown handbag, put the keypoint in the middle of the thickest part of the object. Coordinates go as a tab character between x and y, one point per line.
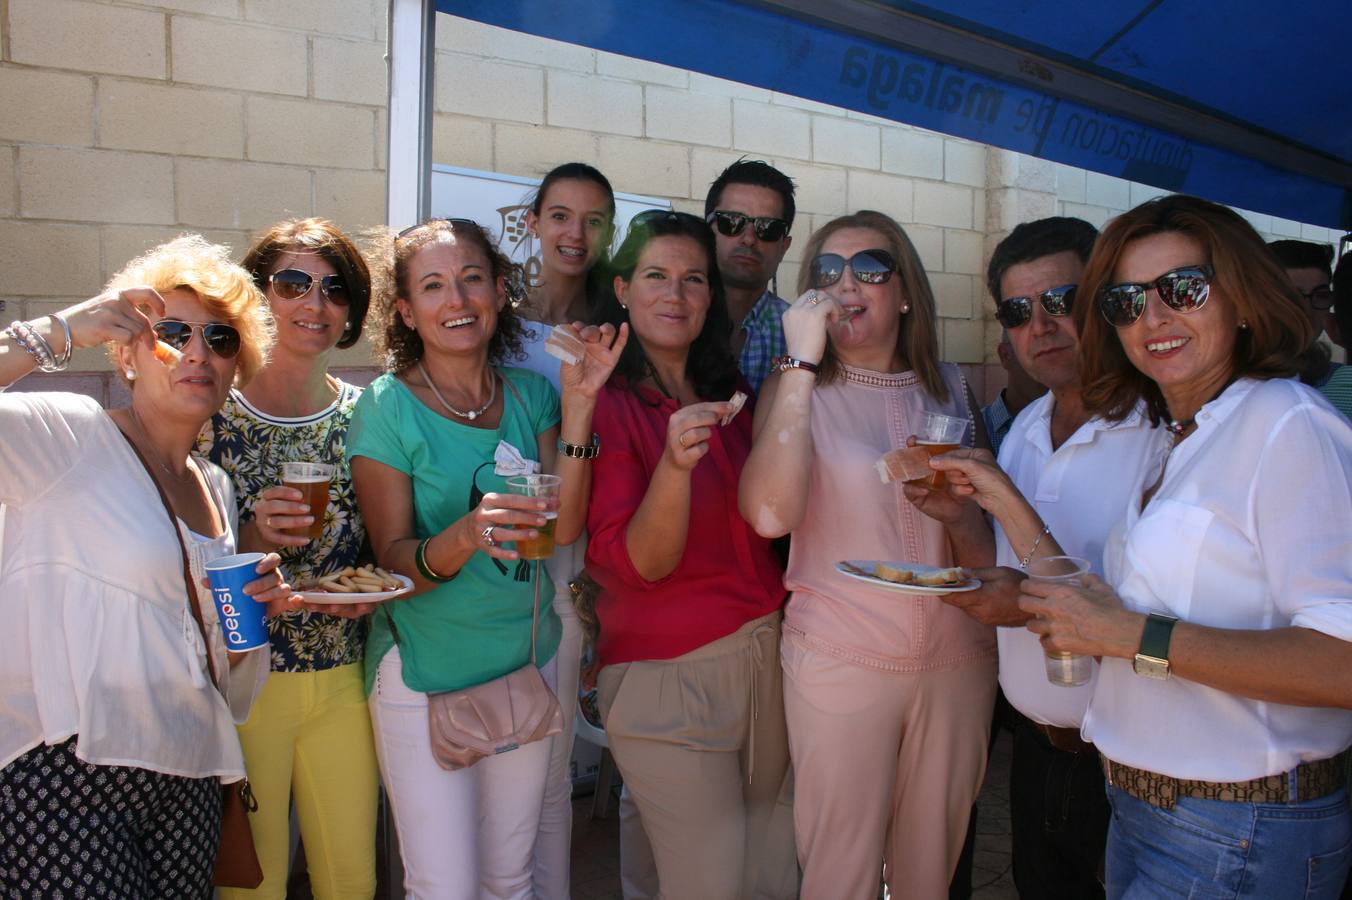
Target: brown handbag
236	860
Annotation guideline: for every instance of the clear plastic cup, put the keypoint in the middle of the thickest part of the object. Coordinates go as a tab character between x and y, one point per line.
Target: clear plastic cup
541	546
311	479
1064	669
939	433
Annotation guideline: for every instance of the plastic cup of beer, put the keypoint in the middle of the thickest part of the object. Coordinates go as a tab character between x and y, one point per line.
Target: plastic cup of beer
1064	669
938	434
541	546
311	479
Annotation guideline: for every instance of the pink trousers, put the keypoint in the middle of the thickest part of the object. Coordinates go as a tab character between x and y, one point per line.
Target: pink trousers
886	766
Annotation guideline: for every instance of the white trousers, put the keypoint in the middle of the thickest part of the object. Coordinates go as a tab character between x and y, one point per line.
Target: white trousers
463	835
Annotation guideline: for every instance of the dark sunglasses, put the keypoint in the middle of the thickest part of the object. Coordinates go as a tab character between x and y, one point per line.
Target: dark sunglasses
451	223
1320	298
731	224
649	216
1184	289
221	339
868	266
1016	311
293	284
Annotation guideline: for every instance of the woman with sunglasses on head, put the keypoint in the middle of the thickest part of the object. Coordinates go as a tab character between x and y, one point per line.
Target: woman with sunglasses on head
114	741
318	288
690	596
431	444
572	216
888	697
1224	625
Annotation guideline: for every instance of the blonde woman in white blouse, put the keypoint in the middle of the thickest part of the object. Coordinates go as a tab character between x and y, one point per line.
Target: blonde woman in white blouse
1223	705
113	740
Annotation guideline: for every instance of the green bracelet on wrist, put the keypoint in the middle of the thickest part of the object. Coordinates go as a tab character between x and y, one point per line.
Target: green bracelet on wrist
420	560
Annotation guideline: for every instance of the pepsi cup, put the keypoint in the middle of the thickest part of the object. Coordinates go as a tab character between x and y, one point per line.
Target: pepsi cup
242	622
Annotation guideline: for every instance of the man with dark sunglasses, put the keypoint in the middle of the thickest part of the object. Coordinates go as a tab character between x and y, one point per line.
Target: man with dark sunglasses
750	208
1057	456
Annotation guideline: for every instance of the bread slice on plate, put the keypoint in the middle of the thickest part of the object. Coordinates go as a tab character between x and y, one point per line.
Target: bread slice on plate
891	573
940	578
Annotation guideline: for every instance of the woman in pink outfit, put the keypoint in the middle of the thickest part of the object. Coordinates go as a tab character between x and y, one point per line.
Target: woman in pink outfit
888	696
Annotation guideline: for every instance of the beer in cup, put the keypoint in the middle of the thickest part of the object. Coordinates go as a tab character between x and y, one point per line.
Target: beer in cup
311	479
542	546
938	434
1064	669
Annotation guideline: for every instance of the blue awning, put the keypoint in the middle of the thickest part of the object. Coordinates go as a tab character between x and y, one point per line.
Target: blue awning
1245	101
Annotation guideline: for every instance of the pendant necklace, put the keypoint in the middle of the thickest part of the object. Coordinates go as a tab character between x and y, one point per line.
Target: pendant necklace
472	414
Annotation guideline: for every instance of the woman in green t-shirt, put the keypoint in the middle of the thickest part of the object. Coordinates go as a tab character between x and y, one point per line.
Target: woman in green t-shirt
431	444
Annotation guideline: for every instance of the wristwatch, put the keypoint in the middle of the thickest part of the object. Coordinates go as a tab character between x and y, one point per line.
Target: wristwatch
581	451
1152	660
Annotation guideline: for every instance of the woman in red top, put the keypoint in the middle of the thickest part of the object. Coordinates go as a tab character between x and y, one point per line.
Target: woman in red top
690	603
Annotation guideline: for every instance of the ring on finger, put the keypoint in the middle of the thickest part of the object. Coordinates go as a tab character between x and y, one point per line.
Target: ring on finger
487	536
814	299
682	440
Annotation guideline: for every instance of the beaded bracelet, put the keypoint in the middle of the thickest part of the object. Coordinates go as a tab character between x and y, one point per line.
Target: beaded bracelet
420	560
1046	530
34	343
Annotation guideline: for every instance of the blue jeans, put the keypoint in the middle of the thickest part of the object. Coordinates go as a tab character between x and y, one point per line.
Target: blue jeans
1213	848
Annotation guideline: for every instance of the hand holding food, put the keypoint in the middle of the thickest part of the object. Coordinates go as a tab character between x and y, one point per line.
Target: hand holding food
689	430
737	401
805	324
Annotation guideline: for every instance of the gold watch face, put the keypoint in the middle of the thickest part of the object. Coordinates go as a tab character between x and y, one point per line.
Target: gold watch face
1151	667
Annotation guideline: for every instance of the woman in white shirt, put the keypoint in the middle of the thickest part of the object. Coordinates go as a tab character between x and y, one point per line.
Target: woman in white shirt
113	740
1222	706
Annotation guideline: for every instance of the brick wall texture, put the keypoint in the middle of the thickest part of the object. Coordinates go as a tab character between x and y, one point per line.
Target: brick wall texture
124	123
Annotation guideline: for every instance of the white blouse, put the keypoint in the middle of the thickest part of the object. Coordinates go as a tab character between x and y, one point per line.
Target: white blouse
100	641
1251	528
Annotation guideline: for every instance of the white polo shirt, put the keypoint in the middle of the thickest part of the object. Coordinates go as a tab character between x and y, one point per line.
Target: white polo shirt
1081	491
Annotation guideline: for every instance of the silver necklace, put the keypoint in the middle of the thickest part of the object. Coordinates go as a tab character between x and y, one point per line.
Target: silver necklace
190	474
473	413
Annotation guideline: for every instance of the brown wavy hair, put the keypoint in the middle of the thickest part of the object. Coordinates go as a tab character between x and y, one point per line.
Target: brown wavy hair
1278	333
397	346
918	338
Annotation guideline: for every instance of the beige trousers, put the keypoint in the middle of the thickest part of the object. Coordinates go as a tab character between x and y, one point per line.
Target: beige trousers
701	745
886	766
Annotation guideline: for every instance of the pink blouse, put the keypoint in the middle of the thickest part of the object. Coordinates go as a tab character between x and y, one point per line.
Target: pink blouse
851	514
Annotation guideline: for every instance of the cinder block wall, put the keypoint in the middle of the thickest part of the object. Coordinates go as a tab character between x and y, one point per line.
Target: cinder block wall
124	123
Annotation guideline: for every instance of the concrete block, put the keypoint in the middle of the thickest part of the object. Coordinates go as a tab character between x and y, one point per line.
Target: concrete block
239	195
691	118
224	9
646	166
979	212
235	55
818	189
943	204
844	142
1140	193
493	90
929	245
478	39
1005	168
777	130
93	37
311	133
1261	222
1097	216
462	141
1105	190
1070	183
81	380
184	121
355	200
707	84
963	252
357	364
705	166
886	193
46	107
95	185
1285	228
324	16
46	260
532	150
1320	235
964	342
1008	207
350	71
123	243
953	295
964	162
919	154
781	99
612	65
590	103
9	182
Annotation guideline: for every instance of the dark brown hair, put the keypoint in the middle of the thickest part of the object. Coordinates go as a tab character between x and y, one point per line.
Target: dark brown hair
324	239
398	346
918	338
1276	332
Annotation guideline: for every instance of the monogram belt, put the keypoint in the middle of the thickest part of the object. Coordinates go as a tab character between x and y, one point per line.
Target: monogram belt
1312	781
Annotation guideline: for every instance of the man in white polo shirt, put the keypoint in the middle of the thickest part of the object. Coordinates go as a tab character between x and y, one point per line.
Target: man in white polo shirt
1064	463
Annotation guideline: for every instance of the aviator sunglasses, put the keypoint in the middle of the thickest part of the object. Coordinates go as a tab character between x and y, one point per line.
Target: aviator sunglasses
221	339
293	284
1184	290
1016	311
868	266
731	224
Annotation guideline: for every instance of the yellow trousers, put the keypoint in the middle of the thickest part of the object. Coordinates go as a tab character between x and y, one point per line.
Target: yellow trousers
309	738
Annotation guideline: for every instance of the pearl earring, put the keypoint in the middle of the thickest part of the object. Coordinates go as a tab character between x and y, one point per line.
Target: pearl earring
131	374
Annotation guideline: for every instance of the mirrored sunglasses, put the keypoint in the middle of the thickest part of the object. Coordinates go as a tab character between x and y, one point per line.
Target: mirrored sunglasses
1013	312
1184	290
731	224
868	266
293	284
220	338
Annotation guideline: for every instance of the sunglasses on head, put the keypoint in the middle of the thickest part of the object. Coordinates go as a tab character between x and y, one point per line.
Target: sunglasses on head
1320	298
221	339
451	223
293	284
1016	311
1184	290
648	216
868	266
731	224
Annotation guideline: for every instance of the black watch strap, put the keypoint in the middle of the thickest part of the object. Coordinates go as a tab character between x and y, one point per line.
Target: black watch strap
1155	637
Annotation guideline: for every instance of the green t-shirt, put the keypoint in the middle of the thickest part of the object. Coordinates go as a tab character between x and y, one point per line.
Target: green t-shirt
476	627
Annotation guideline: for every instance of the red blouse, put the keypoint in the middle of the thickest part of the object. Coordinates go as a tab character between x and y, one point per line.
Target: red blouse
727	575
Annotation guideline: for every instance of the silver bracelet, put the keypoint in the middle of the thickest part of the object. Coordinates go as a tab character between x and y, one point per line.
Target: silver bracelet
1023	563
63	360
34	343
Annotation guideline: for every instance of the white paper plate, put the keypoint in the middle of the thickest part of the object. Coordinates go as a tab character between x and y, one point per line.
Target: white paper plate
970	584
326	597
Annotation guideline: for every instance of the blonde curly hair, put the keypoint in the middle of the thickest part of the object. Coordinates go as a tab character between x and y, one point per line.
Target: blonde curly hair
192	262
